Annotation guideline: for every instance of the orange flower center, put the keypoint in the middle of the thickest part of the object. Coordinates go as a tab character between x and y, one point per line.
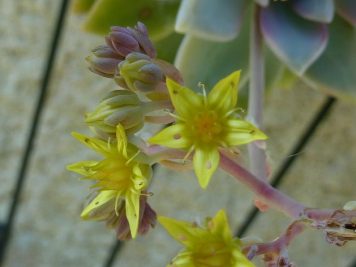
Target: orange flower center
206	126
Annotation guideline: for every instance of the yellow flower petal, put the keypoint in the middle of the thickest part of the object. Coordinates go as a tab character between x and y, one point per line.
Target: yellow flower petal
132	211
183	99
121	140
234	139
172	137
184	232
240	125
83	167
96	144
223	97
205	162
183	259
242	132
99	201
219	226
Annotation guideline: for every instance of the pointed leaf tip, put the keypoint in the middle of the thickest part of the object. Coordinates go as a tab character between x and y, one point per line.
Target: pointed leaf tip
313	10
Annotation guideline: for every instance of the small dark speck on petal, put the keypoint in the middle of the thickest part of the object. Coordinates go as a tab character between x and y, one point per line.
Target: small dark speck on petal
177	136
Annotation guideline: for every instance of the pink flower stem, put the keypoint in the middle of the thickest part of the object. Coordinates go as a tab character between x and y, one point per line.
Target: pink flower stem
318	214
262	189
273	197
279	244
257	155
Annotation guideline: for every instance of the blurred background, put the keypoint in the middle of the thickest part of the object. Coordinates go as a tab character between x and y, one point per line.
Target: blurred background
45	89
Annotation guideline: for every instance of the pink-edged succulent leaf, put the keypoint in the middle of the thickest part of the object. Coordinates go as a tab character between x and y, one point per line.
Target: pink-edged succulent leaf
315	10
159	16
347	9
295	41
335	70
211	19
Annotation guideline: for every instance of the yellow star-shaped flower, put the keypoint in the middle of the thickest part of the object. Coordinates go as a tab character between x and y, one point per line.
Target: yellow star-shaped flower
212	245
205	123
120	179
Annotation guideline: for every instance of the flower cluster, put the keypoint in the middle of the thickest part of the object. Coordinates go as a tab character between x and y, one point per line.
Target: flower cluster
122	178
205	125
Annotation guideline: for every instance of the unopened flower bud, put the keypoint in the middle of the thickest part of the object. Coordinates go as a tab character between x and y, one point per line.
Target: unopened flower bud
138	73
127	40
104	60
118	107
120	42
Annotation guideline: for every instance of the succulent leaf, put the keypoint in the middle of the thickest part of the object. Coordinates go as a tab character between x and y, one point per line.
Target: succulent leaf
207	61
314	10
159	16
295	41
347	10
211	19
335	70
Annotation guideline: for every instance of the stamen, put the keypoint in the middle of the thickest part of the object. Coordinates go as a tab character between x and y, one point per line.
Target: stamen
109	143
202	87
188	153
147	194
177	117
131	159
230	112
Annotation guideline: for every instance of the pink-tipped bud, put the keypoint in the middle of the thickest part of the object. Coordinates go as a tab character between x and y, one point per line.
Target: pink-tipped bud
118	107
139	73
127	40
103	61
119	43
